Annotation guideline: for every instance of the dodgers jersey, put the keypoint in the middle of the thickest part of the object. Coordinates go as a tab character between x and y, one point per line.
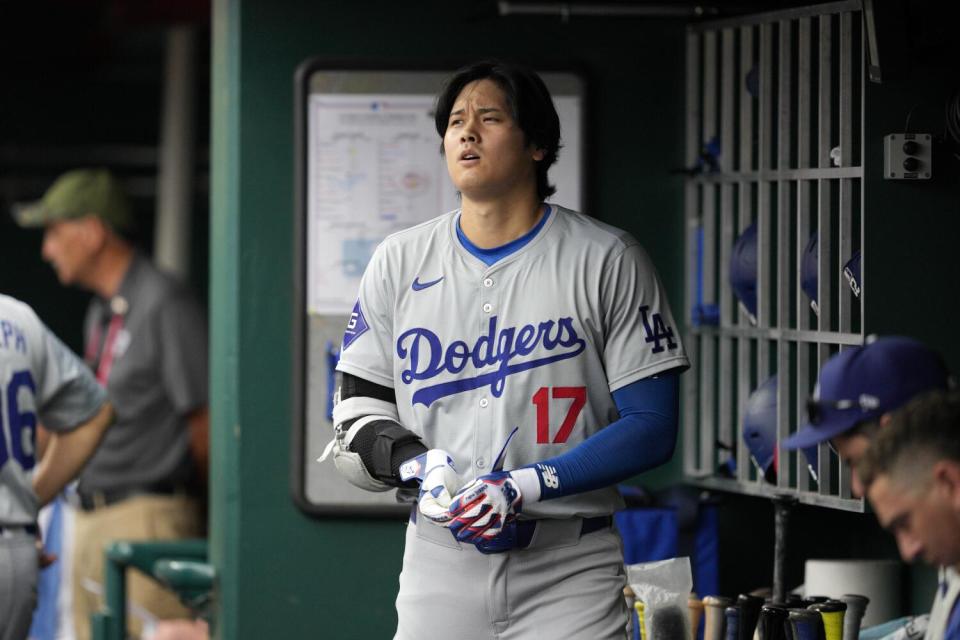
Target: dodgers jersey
538	340
41	381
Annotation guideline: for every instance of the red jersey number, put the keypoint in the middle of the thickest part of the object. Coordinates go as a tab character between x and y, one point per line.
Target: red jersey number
542	401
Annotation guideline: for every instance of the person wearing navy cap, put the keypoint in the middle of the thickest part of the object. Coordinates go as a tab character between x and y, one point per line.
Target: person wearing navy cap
857	390
856	395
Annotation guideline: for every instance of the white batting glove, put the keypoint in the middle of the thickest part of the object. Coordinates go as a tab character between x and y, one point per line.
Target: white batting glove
439	481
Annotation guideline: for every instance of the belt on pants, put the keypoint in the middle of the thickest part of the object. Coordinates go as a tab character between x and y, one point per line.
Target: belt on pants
526	528
97	499
29	529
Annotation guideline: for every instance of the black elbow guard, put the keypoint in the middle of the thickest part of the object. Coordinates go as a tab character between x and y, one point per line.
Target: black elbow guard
383	446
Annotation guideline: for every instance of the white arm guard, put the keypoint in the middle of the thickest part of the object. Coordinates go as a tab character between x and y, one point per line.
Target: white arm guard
349	463
364	410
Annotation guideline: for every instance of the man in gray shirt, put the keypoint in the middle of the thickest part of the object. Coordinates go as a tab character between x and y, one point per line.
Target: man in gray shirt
146	341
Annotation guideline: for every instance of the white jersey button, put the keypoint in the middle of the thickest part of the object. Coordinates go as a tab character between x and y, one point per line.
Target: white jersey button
487	307
484	402
488	282
481	463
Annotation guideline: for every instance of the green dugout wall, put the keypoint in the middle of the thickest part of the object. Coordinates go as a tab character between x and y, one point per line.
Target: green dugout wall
282	574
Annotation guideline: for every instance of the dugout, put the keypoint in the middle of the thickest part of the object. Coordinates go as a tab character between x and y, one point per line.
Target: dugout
283	574
634	68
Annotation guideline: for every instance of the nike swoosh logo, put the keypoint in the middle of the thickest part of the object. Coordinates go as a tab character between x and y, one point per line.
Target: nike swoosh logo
420	286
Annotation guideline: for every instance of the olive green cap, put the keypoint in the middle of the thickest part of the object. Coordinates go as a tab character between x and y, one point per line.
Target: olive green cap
75	194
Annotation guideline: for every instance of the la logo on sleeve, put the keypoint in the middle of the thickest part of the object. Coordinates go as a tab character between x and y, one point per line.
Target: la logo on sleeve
659	332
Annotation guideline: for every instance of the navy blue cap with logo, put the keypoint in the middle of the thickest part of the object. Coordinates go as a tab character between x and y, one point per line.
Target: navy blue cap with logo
864	382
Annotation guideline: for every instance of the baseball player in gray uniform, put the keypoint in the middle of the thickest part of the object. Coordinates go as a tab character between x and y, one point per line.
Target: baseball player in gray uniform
507	318
41	381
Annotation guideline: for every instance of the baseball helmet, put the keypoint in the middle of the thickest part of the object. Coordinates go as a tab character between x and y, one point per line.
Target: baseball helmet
743	271
751	82
760	430
851	271
808	272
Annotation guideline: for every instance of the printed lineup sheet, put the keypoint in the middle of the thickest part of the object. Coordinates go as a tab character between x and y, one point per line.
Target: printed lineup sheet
374	167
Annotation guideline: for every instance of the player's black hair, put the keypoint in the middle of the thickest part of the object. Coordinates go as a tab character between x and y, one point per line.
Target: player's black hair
530	104
923	431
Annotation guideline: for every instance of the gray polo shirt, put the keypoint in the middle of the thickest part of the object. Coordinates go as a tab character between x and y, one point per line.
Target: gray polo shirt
158	376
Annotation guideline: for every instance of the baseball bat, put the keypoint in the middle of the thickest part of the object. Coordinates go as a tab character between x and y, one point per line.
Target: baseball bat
732	614
772	622
713	624
695	609
668	622
856	607
805	624
832	613
749	614
630	597
641	621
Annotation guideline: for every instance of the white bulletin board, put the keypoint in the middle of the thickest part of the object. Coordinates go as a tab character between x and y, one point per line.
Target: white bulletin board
374	168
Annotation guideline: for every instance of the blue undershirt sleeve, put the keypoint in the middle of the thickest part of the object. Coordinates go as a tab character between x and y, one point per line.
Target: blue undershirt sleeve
643	438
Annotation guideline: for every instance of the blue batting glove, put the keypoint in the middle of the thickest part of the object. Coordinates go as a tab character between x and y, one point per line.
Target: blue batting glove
503	541
480	511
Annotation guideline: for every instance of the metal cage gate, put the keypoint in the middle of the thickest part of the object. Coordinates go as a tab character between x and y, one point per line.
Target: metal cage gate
774	139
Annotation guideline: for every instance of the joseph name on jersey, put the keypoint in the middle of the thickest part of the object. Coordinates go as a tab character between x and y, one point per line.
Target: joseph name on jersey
537	340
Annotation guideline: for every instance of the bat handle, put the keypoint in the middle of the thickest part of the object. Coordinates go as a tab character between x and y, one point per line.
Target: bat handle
695	609
713	625
832	612
833	625
641	620
856	608
630	597
805	624
749	614
772	623
732	614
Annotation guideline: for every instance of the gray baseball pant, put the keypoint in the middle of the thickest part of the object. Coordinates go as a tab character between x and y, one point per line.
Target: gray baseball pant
563	586
18	583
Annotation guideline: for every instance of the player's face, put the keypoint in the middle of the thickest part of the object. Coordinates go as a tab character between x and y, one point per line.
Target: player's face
487	155
69	247
851	448
922	519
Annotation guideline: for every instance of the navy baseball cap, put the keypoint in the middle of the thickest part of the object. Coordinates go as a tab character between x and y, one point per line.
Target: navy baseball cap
863	383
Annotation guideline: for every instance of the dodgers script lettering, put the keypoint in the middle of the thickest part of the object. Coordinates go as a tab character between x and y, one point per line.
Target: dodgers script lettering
427	357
